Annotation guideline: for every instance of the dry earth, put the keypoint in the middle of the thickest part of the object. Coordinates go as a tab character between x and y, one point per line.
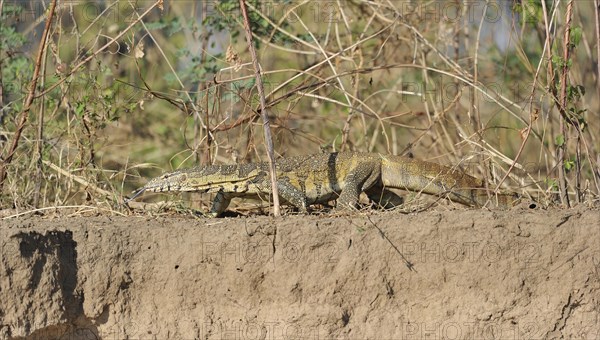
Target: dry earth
457	274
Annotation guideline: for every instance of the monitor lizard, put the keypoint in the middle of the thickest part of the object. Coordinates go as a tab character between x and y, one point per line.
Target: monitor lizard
320	178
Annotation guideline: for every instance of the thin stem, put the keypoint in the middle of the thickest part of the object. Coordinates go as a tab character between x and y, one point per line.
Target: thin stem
7	159
263	110
597	17
562	177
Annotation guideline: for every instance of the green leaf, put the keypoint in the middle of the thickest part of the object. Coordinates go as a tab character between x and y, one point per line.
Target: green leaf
156	25
80	109
557	60
552	183
569	164
574	93
174	27
559	140
576	34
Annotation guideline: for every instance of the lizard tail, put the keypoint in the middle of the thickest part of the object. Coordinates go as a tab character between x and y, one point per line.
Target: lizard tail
431	178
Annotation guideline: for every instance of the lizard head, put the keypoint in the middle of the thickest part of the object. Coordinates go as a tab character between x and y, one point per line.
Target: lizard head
210	178
167	182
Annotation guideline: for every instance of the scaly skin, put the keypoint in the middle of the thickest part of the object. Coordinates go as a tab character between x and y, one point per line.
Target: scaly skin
319	178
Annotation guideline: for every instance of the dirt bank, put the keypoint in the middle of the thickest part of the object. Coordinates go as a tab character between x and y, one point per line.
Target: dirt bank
445	275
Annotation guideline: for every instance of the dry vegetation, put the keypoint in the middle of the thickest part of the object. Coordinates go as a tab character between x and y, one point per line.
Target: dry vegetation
122	91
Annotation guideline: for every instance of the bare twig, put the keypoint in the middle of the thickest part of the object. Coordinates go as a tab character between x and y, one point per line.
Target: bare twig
597	18
263	110
40	136
1	81
532	118
475	105
7	158
62	207
39	142
562	106
79	180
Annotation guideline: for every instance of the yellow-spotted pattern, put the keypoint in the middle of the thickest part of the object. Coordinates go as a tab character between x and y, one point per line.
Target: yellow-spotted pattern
320	178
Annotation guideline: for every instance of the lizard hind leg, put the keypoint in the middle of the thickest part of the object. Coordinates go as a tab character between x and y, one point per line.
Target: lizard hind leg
356	181
383	198
348	198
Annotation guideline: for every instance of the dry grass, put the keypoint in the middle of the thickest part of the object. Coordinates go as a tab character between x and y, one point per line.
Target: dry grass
129	91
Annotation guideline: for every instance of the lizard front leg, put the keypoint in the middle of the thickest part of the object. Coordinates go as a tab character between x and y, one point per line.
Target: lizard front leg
292	195
220	203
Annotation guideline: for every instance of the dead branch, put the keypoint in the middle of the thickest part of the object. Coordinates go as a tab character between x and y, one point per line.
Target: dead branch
263	111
